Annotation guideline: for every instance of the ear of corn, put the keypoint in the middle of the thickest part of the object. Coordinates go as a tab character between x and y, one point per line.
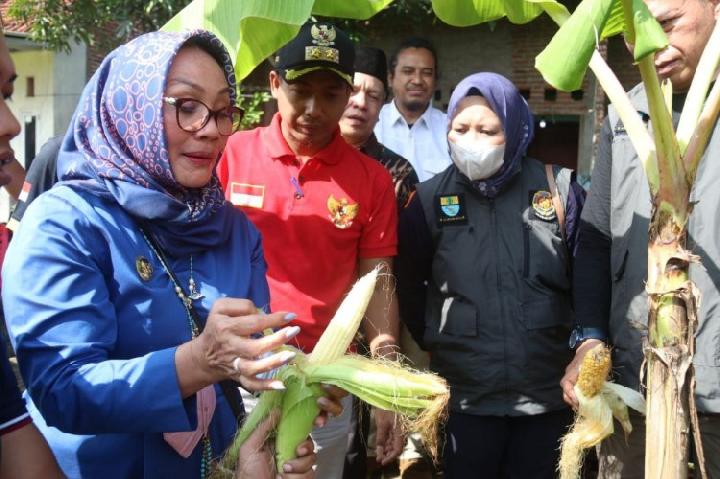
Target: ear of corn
420	398
594	371
599	401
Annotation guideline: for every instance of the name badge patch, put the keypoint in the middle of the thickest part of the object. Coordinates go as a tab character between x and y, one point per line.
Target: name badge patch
450	209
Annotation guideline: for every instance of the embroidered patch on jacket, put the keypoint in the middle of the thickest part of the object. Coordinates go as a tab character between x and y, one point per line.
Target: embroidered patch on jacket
244	194
542	204
342	213
450	209
144	268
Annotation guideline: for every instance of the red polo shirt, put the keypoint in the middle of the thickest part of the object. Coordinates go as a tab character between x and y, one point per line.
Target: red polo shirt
317	219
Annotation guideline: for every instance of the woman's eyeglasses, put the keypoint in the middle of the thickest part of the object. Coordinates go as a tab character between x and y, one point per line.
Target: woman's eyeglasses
192	115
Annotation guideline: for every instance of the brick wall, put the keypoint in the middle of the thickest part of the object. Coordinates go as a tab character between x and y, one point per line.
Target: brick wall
621	62
527	42
503	48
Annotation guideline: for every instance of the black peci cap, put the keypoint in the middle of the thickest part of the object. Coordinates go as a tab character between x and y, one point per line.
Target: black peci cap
372	61
317	46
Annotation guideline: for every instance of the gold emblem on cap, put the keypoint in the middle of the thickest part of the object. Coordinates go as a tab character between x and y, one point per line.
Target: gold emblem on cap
323	35
327	54
542	203
144	268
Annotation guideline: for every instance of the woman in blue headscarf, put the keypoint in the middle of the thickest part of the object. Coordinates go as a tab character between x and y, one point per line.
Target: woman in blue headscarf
122	284
484	285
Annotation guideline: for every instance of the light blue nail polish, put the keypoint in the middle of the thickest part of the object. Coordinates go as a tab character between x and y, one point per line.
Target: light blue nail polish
288	356
290	316
292	332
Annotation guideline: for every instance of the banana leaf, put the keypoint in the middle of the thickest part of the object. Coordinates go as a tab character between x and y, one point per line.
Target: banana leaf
463	13
649	35
252	30
564	61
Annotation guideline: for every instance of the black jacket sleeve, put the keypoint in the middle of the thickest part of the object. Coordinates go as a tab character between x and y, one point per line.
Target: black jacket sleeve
591	274
413	267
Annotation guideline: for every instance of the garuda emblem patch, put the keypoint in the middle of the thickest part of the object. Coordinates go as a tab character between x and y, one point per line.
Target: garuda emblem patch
342	213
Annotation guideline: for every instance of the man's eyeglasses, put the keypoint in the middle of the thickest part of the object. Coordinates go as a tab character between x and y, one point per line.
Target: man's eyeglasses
192	115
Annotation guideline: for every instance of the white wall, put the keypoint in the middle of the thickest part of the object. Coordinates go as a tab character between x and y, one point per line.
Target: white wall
39	65
59	80
69	79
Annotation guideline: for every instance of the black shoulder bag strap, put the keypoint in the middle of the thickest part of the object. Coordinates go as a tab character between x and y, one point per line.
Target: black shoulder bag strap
228	386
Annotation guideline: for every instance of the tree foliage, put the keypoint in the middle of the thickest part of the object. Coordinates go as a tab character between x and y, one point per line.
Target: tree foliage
59	23
415	14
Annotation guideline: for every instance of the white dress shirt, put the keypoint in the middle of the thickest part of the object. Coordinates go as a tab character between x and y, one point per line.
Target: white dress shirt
424	145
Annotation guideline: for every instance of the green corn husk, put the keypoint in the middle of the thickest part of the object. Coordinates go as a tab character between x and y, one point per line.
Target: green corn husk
419	398
268	401
299	410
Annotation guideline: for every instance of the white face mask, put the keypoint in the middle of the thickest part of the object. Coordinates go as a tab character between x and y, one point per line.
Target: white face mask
476	160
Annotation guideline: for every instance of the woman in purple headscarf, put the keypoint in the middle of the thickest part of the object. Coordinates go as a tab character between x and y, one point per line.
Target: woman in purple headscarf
484	285
123	283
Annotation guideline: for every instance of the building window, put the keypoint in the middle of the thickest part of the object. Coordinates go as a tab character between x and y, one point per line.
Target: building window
30	86
30	134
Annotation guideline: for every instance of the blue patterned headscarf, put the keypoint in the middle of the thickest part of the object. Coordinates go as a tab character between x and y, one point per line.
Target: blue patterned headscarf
116	146
515	116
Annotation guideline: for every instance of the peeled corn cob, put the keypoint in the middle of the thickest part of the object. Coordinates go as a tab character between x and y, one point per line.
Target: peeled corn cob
599	401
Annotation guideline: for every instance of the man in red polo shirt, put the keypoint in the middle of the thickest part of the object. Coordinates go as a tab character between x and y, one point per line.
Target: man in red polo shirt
326	212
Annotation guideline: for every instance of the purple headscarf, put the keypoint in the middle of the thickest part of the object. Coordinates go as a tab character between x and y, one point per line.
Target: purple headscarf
514	113
116	146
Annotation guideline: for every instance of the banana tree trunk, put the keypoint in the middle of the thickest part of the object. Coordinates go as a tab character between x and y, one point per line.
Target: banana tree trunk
673	300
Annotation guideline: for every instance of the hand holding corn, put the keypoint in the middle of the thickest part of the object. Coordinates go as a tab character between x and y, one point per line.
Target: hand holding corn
419	398
598	402
255	458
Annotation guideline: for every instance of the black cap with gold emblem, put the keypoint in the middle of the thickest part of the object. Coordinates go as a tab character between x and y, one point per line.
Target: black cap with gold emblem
318	46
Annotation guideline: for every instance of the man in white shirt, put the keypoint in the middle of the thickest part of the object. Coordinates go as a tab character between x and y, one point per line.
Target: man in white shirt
409	125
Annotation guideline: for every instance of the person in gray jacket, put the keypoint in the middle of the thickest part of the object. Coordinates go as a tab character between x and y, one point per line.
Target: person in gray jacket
484	285
611	262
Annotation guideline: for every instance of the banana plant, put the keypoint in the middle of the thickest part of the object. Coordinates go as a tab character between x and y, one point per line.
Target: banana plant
252	30
670	159
670	162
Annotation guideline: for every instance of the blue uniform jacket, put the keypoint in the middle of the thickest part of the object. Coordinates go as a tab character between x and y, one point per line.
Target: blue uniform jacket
96	342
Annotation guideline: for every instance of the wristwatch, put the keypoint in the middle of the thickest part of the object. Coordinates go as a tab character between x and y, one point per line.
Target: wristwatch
580	334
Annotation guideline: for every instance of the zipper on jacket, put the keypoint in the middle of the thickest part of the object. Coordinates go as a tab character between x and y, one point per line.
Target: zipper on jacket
496	249
526	245
493	221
